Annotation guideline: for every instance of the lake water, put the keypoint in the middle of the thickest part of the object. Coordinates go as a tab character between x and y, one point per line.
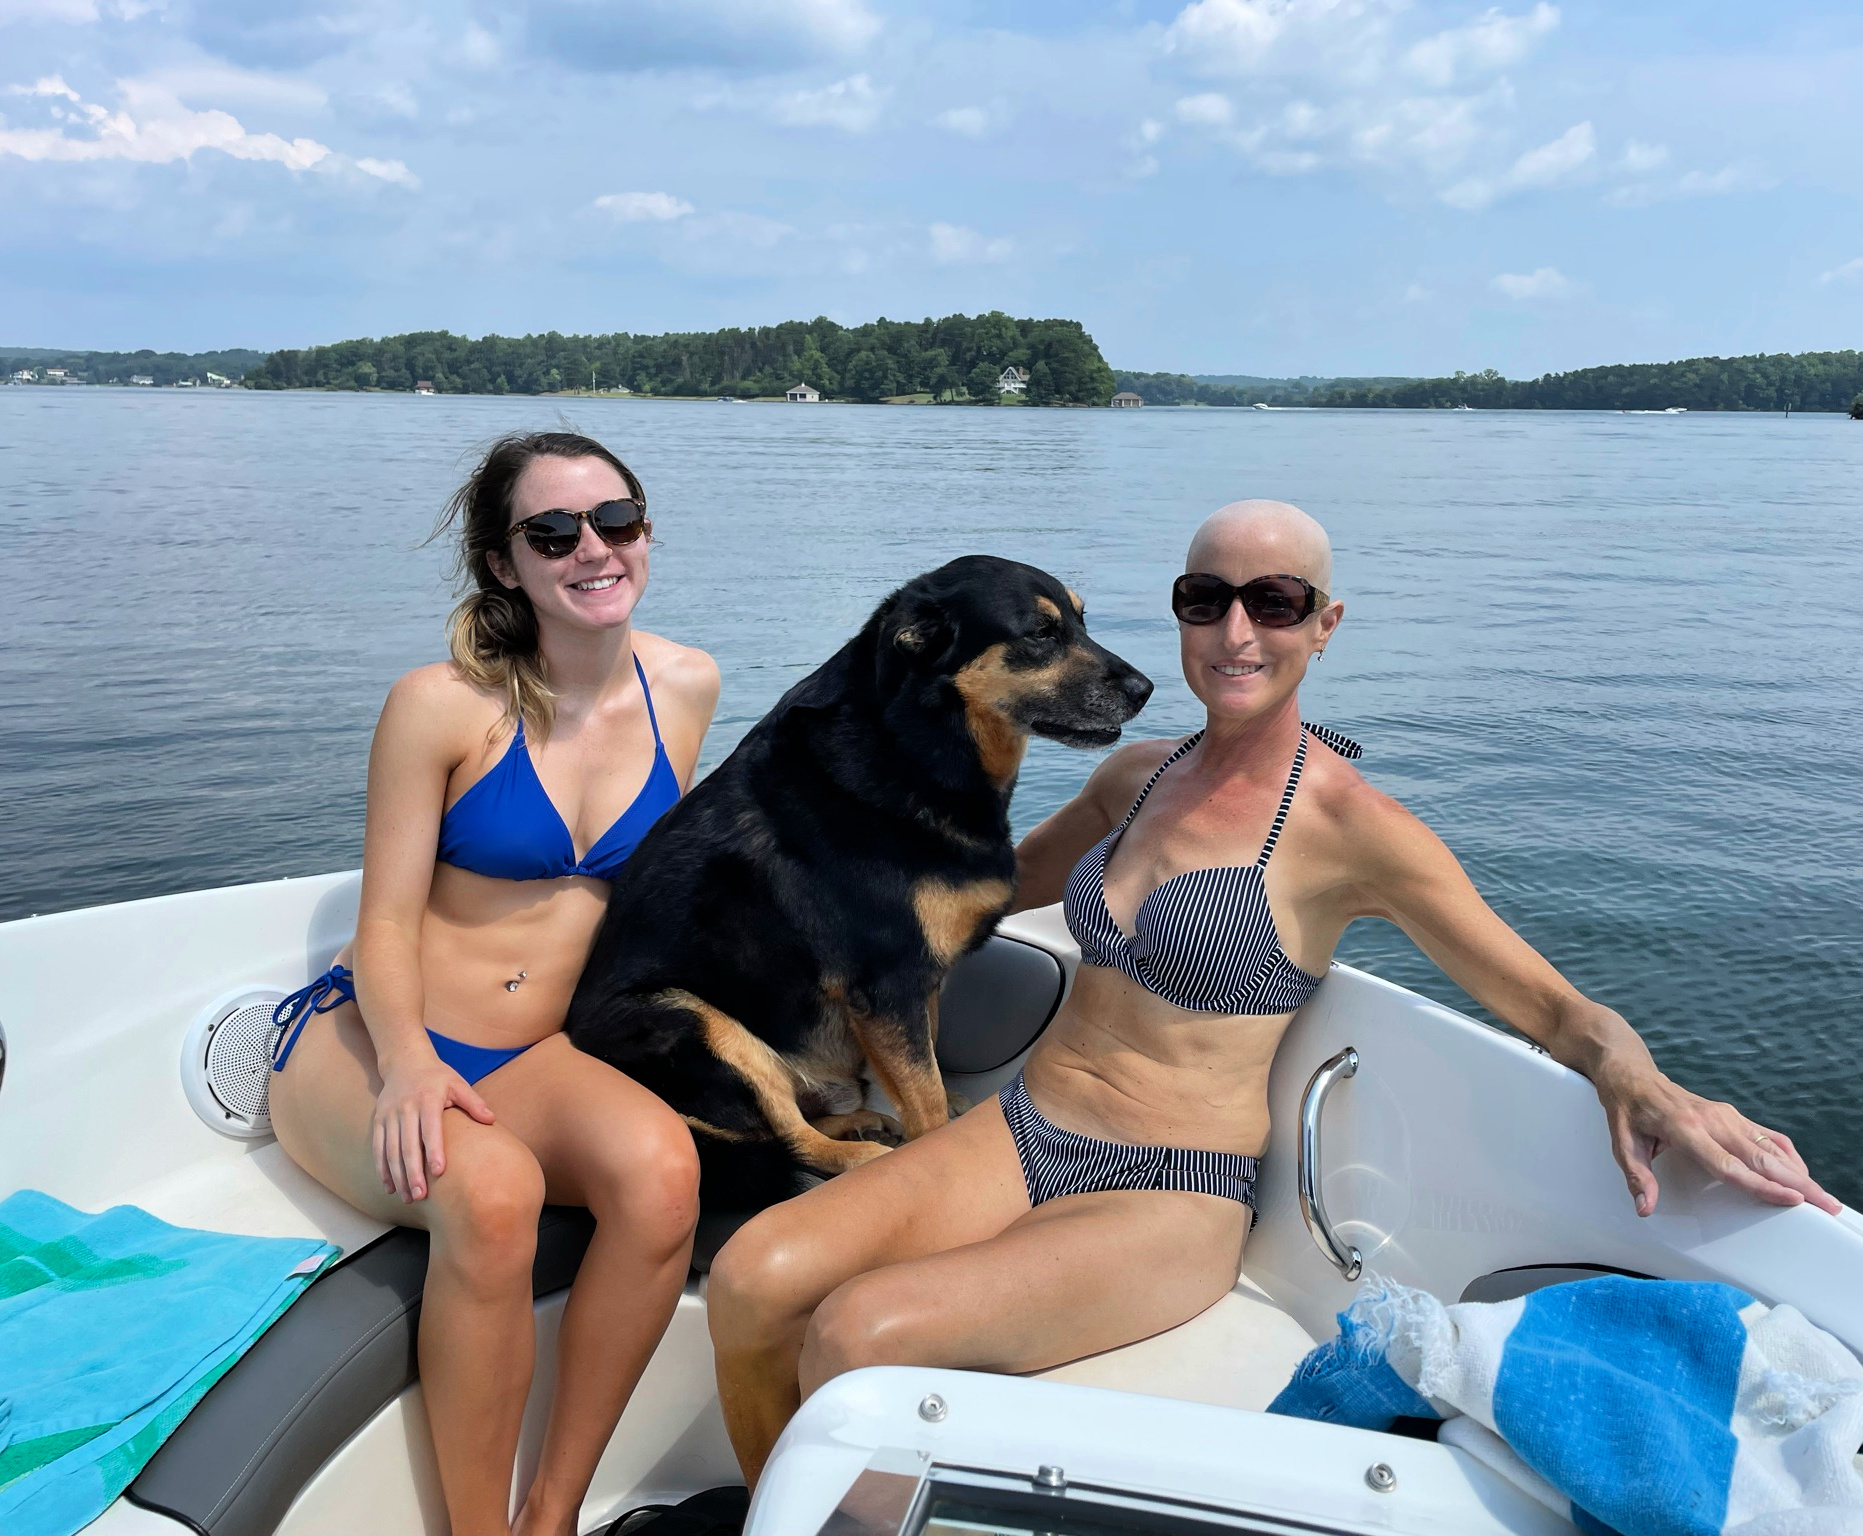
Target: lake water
1616	661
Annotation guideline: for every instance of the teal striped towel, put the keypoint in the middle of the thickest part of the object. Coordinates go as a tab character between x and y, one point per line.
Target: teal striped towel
112	1327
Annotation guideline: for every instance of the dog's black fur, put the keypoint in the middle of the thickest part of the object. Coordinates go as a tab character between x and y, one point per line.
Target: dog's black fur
782	933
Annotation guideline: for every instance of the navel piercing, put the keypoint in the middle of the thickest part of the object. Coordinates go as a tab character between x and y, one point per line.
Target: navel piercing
512	985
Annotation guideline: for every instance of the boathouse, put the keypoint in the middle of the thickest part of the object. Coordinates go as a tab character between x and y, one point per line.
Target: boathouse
802	394
1125	400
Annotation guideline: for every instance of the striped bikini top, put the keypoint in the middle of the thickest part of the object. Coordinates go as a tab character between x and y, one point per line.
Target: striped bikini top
1205	940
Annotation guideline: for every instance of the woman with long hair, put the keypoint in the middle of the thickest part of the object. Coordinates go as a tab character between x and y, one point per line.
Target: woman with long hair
506	787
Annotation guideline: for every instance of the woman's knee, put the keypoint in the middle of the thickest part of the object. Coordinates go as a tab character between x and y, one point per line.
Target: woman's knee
484	1210
861	1323
649	1182
764	1282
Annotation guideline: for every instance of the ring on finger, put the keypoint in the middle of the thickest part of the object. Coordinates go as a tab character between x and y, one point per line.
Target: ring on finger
1760	1138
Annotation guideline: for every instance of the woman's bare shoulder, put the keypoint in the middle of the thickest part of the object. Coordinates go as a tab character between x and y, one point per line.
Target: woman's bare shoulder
1116	782
684	671
1366	822
436	701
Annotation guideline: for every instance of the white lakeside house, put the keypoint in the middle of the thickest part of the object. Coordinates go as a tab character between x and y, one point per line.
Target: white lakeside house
1013	381
1125	400
803	394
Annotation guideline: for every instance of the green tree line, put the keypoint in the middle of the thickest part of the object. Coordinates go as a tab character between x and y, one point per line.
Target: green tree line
1184	389
119	367
957	358
1804	381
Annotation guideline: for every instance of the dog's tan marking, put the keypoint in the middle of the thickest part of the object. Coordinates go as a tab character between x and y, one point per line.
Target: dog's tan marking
911	1082
769	1080
987	685
950	915
1080	608
1048	606
706	1128
861	1125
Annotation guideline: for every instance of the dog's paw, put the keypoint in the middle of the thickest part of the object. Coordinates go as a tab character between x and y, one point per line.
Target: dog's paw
956	1104
862	1125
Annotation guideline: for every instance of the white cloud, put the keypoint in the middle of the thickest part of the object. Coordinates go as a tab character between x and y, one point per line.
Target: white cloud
478	48
643	207
151	127
1416	293
954	243
755	36
1552	163
1744	175
851	105
226	85
1741	176
1493	43
1640	159
1541	283
398	98
1334	83
1210	110
737	230
47	10
1849	272
389	170
1255	37
971	122
1545	166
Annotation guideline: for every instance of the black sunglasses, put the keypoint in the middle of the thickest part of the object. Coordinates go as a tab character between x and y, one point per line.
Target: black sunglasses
1273	602
555	534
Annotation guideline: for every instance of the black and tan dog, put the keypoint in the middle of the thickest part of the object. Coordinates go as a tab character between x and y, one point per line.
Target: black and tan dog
782	933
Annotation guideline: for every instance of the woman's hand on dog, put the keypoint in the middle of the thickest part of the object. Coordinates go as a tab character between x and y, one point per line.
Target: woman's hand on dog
410	1148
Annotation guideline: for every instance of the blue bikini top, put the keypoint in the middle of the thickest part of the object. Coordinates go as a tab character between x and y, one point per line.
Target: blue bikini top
507	827
1205	940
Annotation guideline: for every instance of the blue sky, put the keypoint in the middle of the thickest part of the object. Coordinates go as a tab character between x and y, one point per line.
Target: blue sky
1255	186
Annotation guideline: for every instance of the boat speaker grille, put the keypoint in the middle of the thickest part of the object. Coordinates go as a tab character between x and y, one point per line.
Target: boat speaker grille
226	1065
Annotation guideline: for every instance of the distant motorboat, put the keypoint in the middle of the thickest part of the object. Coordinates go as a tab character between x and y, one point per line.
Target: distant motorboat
1667	410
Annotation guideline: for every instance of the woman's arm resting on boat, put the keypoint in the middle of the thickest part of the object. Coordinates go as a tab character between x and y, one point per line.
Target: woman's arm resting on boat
1048	854
410	761
1409	877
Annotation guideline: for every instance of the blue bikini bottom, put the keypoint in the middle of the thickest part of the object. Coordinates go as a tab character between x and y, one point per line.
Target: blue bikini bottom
336	987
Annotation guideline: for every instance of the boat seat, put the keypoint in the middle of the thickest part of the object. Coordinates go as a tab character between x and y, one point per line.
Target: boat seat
996	1000
343	1351
1238	1354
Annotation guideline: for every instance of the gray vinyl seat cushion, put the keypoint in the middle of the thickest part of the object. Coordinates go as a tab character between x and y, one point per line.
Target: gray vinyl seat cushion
343	1351
995	1002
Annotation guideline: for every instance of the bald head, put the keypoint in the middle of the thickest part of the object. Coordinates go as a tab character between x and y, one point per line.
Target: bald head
1262	538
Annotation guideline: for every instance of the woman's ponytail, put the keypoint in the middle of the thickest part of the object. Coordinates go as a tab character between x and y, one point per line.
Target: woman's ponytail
492	635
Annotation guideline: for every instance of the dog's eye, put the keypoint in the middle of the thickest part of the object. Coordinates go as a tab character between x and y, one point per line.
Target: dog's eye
1048	628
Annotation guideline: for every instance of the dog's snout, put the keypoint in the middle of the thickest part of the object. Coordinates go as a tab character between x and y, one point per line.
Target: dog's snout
1136	686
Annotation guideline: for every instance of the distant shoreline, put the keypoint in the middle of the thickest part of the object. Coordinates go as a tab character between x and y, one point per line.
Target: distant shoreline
1329	408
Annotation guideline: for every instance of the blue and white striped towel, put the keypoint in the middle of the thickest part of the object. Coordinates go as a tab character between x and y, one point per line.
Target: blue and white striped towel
1640	1407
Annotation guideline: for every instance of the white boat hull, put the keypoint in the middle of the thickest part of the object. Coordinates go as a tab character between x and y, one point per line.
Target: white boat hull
1455	1152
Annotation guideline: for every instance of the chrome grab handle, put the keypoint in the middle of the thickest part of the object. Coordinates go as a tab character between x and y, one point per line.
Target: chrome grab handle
1307	1172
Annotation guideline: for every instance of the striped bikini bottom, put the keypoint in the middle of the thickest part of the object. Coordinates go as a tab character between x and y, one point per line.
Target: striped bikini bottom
1057	1162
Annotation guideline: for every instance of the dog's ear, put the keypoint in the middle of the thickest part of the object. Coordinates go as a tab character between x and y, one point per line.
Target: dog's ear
919	631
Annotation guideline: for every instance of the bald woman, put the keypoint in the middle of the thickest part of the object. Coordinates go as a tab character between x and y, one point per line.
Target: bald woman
1106	1194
